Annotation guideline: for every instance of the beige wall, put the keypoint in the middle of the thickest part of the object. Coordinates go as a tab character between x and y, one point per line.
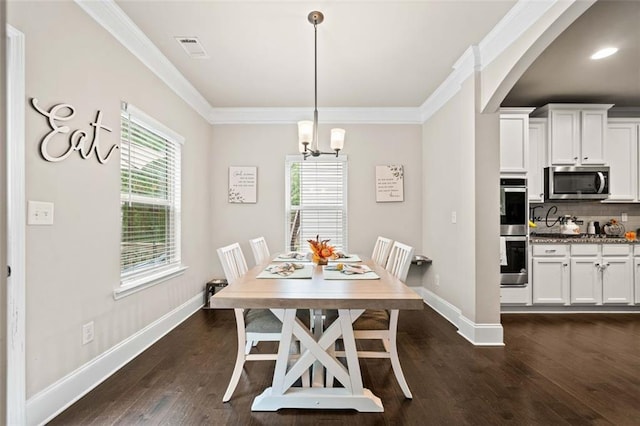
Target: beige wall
460	171
73	266
448	172
366	146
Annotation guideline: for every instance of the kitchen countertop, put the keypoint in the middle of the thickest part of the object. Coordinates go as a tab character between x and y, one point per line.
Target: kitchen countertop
581	239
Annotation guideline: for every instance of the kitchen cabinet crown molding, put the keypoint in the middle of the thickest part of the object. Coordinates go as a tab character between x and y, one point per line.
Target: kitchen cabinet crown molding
543	111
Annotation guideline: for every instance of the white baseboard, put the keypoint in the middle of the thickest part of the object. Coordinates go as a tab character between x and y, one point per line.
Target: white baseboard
478	334
48	403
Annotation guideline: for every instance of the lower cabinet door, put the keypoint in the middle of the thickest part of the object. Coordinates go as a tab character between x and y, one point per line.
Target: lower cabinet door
550	280
586	287
617	280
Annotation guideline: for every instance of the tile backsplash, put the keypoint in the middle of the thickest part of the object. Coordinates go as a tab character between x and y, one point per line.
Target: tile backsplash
545	215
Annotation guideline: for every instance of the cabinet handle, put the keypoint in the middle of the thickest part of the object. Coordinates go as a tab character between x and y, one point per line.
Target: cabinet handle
565	264
597	265
575	158
550	251
586	158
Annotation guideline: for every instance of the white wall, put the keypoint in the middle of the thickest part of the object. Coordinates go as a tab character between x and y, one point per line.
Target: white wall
73	265
366	146
3	216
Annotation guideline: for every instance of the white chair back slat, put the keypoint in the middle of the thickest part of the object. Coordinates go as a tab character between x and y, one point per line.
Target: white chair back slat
400	260
381	250
233	261
260	249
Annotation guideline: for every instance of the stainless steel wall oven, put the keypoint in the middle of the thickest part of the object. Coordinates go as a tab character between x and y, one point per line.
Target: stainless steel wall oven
514	224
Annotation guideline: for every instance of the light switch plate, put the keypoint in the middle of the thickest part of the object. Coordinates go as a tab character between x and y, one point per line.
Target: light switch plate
40	213
624	217
454	217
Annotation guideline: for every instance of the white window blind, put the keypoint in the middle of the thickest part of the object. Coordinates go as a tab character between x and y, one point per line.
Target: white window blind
150	195
316	201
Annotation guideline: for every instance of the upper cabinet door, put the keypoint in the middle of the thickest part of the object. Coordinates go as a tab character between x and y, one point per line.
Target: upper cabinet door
622	157
593	136
537	159
577	133
564	137
514	140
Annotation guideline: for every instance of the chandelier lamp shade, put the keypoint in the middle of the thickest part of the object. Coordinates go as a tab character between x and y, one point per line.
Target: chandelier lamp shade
308	130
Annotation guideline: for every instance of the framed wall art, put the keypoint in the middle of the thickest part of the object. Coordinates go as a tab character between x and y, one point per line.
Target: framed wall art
389	183
243	184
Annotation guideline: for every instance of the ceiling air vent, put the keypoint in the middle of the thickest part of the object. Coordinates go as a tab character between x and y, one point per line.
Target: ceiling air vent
192	46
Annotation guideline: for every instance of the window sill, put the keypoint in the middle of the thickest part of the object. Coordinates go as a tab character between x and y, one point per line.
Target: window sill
136	284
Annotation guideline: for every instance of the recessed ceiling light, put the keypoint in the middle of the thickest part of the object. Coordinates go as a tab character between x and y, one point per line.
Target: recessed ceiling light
603	53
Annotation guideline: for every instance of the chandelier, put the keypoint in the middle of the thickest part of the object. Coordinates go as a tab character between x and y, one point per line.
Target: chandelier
308	130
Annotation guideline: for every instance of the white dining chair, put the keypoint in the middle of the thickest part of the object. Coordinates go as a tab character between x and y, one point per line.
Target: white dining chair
253	325
381	250
260	249
383	324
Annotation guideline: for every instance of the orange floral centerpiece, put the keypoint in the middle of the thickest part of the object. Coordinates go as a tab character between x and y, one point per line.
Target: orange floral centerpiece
630	236
321	251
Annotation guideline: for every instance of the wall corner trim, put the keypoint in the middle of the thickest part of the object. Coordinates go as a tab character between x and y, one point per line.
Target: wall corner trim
477	334
51	401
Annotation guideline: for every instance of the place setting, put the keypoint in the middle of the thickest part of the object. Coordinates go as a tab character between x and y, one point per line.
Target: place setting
342	271
287	270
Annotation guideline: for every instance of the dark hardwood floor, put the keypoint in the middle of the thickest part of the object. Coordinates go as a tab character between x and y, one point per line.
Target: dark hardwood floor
576	369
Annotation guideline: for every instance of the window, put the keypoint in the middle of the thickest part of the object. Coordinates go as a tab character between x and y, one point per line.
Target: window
316	201
150	198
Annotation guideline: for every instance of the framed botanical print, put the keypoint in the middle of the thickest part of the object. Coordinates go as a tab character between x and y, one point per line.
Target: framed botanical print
243	184
389	183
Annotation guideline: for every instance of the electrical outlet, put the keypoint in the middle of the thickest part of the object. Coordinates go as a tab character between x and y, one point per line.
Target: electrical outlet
624	217
437	279
454	217
87	333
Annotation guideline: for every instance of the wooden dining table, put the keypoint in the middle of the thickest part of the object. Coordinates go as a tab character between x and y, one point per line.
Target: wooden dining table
350	297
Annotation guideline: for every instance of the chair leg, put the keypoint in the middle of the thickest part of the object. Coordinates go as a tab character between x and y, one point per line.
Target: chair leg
240	358
393	355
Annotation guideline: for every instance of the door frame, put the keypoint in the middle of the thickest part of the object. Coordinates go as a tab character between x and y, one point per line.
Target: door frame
16	228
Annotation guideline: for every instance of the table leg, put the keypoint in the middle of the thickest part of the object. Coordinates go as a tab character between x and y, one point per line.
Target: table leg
282	395
318	369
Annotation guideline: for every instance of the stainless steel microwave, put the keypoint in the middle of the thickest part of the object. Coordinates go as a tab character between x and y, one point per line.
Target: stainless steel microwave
576	183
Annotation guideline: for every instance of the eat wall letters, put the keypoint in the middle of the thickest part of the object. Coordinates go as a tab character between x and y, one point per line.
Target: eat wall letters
77	139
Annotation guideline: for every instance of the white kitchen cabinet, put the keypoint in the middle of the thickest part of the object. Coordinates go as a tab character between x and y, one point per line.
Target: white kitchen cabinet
576	133
586	285
551	281
537	159
586	280
636	277
550	274
617	280
585	274
514	139
622	157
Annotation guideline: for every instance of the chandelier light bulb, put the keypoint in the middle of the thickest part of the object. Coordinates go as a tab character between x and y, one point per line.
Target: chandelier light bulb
337	139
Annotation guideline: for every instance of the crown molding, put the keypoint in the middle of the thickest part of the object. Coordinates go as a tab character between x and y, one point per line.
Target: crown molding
518	20
118	24
462	69
329	115
522	16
